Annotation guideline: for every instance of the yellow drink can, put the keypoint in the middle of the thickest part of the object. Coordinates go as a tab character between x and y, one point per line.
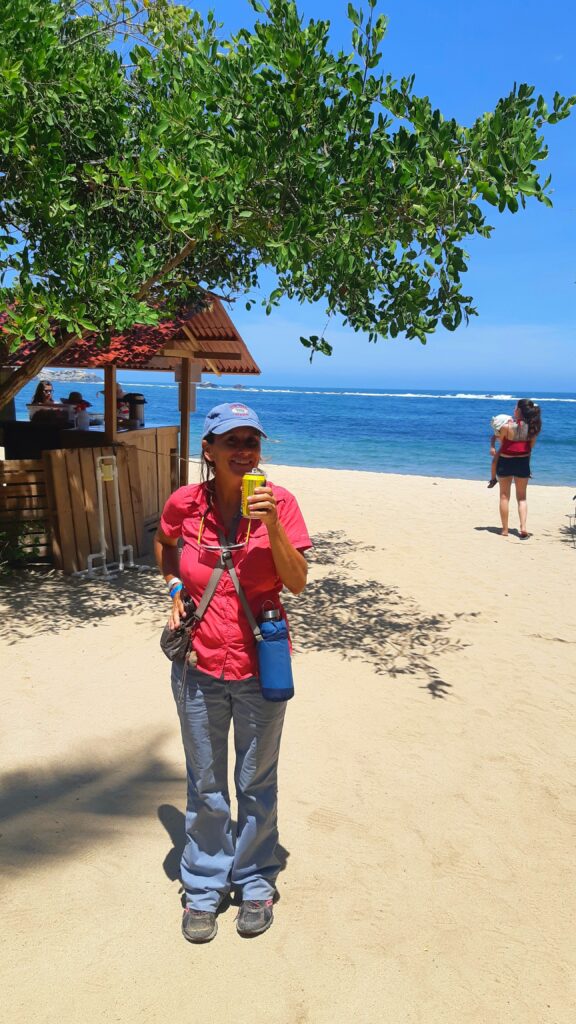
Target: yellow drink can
250	481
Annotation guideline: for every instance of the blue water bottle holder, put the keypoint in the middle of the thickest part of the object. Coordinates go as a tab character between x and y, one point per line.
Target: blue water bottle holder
273	650
272	646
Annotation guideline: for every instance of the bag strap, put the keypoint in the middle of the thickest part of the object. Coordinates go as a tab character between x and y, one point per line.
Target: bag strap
208	593
228	562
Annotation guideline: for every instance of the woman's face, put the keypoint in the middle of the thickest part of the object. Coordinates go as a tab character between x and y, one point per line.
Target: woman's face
47	392
234	453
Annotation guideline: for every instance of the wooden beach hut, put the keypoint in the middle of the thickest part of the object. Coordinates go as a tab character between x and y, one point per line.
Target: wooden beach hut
48	480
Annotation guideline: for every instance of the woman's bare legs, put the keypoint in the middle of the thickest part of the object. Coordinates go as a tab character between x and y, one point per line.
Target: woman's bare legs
505	488
521	484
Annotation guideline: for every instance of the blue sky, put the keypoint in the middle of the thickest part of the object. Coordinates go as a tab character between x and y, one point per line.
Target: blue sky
523	280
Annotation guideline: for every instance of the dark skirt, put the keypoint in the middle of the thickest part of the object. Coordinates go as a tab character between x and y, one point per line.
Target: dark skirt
517	465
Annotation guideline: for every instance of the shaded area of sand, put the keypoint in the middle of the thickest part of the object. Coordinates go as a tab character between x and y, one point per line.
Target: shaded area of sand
427	801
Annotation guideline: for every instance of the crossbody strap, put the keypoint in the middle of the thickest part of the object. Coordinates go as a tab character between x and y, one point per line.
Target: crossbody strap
228	562
208	593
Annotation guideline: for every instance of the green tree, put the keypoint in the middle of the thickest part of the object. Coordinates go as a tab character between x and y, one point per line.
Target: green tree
129	185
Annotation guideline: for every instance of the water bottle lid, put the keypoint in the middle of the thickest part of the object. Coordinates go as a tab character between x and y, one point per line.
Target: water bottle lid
270	614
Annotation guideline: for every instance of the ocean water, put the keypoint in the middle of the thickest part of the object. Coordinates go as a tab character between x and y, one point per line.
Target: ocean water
432	433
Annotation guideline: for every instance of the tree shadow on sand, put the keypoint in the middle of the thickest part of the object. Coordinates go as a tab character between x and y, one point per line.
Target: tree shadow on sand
568	532
45	601
55	813
367	620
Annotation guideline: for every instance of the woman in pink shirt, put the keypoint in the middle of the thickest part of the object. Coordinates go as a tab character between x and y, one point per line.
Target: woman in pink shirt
223	687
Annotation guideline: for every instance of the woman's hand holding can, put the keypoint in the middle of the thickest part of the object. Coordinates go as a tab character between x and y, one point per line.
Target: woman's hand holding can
262	505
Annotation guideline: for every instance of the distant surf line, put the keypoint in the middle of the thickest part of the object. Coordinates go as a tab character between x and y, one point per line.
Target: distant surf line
458	396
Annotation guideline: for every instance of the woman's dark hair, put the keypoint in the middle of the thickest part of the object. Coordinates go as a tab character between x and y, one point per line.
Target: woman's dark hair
207	473
531	415
39	393
206	467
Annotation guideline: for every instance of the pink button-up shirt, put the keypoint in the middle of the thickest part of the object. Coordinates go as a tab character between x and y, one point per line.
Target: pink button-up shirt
224	642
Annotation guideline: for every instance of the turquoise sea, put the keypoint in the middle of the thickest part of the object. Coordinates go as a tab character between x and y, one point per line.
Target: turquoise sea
429	433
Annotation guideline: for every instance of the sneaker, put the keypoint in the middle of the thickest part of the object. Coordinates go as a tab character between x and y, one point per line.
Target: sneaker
254	917
199	925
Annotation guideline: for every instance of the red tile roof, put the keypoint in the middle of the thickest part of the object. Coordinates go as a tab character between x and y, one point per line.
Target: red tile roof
142	347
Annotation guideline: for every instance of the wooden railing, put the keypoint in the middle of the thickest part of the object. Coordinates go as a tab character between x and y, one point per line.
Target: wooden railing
25	515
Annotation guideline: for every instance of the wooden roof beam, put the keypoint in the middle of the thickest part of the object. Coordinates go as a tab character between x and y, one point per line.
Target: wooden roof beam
187	354
232	356
199	354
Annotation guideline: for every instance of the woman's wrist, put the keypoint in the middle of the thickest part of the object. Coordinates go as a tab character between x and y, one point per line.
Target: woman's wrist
175	585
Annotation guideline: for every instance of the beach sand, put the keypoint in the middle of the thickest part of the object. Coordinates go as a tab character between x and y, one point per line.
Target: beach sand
426	781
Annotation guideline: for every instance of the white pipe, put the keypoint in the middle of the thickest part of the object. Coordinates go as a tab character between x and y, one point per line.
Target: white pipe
119	536
102	535
107	472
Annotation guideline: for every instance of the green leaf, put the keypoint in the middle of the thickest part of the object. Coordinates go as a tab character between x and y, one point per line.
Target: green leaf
488	192
529	186
354	15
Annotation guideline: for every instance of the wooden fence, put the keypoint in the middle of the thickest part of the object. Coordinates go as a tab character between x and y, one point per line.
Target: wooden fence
157	449
73	496
25	515
51	505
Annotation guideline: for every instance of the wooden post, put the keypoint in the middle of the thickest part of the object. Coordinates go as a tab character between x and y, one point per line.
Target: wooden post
184	422
110	410
195	376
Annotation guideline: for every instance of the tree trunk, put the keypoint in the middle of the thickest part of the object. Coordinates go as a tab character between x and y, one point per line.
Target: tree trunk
36	362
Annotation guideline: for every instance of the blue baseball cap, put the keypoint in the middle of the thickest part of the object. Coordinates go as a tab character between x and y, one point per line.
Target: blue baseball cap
230	415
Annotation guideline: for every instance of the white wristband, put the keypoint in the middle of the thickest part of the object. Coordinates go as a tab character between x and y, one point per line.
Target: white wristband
173	582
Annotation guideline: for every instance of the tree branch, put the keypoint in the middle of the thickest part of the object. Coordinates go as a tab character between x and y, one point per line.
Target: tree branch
106	26
166	269
32	366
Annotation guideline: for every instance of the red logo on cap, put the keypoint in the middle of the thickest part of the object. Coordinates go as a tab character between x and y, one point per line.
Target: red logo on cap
239	410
